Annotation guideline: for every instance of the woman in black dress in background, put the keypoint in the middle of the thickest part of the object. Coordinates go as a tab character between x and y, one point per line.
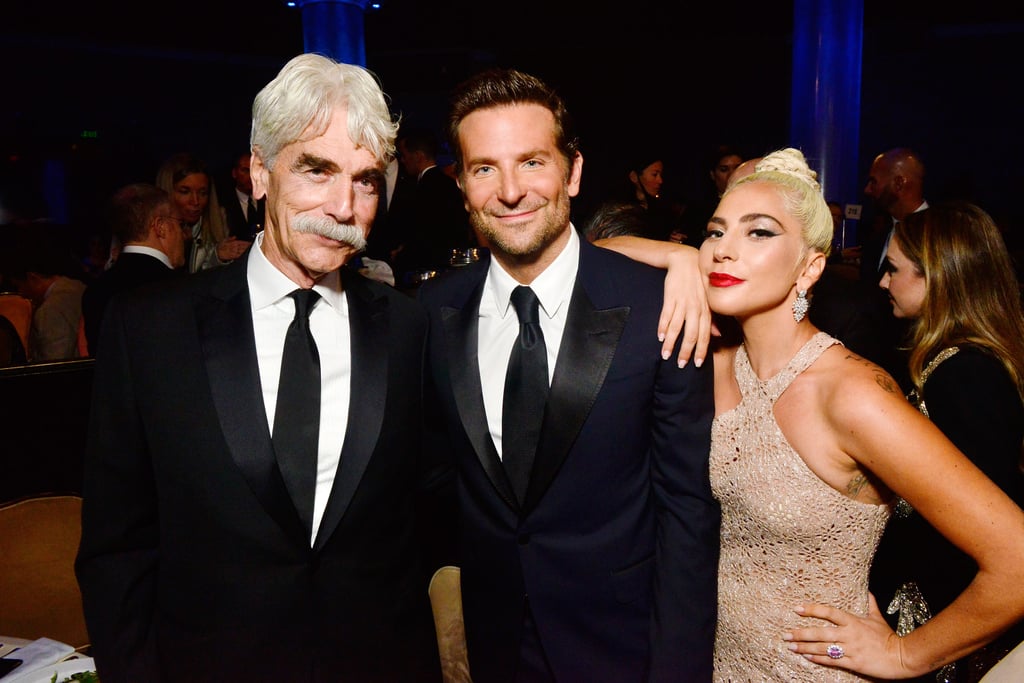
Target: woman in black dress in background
950	274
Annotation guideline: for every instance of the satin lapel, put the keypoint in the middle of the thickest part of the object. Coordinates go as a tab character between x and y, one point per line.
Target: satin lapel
588	345
368	333
461	326
224	320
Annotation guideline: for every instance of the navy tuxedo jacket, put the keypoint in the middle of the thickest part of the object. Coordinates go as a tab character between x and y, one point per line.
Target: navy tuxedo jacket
194	565
615	547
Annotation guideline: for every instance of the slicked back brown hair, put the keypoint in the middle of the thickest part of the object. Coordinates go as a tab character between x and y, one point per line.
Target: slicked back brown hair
505	87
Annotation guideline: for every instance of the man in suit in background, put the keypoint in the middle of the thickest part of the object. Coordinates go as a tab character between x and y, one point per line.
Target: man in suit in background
152	232
896	187
434	220
243	212
219	542
589	534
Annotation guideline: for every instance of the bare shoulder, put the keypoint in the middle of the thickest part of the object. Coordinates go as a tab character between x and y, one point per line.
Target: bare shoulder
850	386
862	369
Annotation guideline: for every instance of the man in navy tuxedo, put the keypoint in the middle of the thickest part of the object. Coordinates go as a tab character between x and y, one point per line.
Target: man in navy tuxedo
591	555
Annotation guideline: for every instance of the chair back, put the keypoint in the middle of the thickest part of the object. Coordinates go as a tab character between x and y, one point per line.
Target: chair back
445	593
39	594
18	310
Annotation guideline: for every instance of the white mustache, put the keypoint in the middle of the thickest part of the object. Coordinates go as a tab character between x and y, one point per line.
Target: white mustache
327	227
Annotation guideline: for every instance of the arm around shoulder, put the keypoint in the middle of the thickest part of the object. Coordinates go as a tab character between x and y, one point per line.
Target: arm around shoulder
685	309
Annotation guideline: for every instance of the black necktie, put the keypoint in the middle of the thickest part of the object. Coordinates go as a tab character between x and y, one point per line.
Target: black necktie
526	392
297	417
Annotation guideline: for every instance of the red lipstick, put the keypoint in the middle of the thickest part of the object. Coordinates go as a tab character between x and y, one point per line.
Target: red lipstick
723	280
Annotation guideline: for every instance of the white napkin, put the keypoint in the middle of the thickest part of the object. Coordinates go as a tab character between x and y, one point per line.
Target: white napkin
377	270
35	656
1010	669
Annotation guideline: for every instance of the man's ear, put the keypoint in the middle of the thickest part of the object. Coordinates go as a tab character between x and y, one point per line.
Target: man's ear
259	173
158	228
575	174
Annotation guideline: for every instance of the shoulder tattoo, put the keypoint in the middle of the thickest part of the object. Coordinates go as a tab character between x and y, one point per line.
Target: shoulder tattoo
882	378
886	382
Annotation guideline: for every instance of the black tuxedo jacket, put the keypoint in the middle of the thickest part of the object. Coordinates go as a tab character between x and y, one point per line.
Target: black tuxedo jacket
238	225
193	564
131	270
616	542
432	223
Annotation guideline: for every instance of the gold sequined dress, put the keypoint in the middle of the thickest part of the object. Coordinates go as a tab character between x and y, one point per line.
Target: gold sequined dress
787	536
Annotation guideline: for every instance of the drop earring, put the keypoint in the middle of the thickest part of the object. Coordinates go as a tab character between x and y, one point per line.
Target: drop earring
800	305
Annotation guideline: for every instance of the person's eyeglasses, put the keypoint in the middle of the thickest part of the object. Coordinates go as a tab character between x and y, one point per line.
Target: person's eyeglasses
185	226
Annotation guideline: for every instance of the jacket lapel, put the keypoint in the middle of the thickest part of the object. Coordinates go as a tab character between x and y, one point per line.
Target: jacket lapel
588	345
224	322
461	327
369	329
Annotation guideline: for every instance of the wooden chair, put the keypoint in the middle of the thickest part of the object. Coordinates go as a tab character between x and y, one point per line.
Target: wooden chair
18	310
39	594
445	592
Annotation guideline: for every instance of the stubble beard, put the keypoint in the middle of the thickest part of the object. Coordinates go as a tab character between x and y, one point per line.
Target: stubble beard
532	240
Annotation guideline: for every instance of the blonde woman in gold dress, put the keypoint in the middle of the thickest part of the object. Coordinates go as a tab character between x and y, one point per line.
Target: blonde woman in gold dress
810	446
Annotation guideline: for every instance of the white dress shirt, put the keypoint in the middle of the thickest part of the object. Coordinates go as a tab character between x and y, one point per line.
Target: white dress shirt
243	200
272	313
499	324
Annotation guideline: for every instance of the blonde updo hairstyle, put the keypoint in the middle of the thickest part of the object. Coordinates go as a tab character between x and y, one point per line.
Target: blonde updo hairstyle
787	169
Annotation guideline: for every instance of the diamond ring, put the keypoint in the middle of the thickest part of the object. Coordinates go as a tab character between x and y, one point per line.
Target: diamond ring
834	651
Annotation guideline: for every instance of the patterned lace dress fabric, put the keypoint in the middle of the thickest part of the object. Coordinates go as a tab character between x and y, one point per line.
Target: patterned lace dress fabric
787	536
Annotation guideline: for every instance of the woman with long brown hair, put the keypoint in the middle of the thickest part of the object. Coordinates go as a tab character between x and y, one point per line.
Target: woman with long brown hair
948	272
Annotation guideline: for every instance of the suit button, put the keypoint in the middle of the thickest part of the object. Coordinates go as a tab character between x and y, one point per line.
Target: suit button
524	539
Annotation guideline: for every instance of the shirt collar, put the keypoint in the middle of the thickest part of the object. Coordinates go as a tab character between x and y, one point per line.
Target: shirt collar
268	285
148	251
553	287
924	205
424	171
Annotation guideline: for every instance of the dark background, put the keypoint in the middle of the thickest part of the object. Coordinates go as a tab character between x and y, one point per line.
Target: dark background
97	94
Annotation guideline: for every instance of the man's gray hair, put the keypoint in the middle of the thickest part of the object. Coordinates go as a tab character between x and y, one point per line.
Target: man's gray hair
299	102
